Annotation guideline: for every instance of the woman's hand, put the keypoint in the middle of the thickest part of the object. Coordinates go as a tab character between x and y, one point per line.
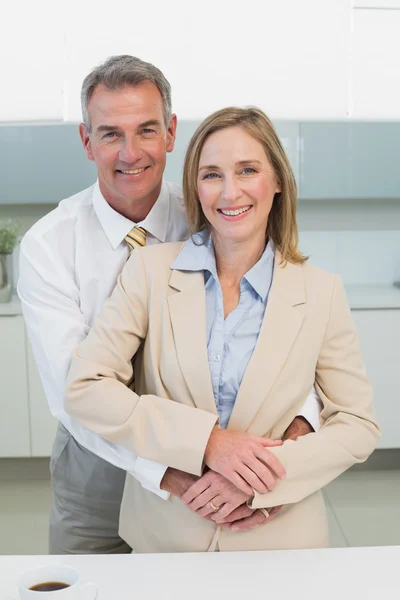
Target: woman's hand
244	460
214	490
244	518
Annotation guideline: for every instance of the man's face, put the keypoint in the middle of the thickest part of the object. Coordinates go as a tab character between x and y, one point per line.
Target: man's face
128	142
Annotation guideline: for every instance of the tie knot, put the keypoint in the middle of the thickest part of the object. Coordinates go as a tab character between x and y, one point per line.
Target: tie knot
136	238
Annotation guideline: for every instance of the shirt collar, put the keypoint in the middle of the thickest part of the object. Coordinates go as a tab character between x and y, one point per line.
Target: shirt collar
260	276
198	255
116	226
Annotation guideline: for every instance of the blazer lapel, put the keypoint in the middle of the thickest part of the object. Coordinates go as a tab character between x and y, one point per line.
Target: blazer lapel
281	325
187	309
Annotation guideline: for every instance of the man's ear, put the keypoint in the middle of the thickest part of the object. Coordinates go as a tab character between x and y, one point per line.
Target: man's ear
171	133
86	141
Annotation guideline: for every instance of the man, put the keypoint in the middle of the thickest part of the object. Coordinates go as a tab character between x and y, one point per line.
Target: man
69	263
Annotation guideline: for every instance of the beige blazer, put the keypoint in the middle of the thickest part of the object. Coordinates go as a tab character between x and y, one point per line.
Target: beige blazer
307	335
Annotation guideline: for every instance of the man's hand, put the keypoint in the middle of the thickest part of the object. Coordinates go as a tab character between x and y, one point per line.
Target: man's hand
177	482
298	427
244	518
244	460
214	490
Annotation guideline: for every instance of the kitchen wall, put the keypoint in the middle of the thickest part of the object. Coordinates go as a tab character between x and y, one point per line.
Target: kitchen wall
359	238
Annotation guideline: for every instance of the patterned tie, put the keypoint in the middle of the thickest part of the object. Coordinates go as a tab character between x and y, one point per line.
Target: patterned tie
136	238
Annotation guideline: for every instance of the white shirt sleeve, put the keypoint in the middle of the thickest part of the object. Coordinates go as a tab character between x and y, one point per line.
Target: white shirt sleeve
55	326
311	409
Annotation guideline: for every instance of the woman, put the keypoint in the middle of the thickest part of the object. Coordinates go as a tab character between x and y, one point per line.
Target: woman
236	303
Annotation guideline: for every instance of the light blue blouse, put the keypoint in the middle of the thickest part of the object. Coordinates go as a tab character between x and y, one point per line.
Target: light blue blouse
230	341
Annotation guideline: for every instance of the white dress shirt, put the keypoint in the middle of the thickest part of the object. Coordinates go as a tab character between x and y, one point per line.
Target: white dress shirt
69	264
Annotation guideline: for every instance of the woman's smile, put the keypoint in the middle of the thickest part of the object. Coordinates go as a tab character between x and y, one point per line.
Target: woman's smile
234	213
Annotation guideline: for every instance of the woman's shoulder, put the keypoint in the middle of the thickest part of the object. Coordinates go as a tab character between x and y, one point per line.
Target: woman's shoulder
320	283
161	254
153	260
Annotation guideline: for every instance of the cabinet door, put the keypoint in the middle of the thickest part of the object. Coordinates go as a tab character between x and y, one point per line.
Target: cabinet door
44	150
324	161
349	160
42	424
14	409
379	331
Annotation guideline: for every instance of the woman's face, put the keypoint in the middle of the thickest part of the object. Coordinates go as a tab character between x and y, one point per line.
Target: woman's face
236	185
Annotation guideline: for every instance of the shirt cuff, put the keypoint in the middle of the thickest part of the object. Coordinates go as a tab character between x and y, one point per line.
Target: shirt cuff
149	474
311	414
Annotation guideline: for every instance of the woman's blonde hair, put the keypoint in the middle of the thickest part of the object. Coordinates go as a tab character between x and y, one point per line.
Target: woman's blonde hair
282	224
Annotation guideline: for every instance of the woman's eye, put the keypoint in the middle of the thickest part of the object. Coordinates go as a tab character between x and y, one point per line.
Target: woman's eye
248	170
211	176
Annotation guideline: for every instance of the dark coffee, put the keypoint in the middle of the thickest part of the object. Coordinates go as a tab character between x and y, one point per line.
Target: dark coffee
49	586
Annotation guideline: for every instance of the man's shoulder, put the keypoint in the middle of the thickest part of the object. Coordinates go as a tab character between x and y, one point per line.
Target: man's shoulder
175	190
175	194
63	216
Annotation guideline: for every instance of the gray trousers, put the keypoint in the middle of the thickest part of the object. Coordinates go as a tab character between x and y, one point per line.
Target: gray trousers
86	499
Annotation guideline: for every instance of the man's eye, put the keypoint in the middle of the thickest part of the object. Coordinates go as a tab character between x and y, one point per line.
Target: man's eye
210	176
148	131
109	135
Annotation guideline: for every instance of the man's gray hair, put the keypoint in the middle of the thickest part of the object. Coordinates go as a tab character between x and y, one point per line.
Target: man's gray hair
121	71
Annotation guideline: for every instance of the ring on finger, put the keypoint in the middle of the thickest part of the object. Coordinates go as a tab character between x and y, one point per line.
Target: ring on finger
212	505
265	512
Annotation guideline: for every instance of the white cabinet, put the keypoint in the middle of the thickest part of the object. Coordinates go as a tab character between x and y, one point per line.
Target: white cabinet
288	57
32	56
379	333
14	408
42	424
374	63
26	425
377	4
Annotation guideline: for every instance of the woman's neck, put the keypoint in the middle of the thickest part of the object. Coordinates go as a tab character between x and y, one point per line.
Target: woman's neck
235	259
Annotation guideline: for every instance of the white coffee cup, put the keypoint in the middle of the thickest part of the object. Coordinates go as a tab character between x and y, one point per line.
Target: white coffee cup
76	590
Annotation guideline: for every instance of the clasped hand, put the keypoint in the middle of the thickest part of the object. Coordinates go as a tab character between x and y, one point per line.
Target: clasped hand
216	499
243	463
238	462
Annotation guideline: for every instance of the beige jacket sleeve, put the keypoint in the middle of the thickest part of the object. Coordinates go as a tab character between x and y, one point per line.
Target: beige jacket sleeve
349	433
97	395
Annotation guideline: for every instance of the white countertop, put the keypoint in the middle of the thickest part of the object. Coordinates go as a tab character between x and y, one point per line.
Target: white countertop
345	573
361	297
373	296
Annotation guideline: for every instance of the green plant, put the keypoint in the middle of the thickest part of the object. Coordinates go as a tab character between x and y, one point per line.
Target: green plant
8	239
8	236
